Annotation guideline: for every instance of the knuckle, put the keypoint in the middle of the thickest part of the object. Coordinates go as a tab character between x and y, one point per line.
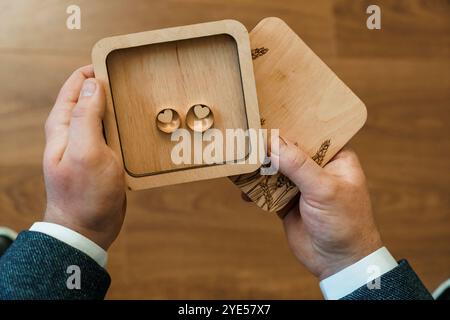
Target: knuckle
330	188
72	94
57	176
87	158
359	180
79	72
63	175
333	188
296	159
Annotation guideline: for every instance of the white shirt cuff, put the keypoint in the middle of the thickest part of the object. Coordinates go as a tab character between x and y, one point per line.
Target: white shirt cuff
74	239
358	274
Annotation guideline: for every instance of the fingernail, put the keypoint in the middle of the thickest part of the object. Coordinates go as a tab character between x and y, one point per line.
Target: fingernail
88	88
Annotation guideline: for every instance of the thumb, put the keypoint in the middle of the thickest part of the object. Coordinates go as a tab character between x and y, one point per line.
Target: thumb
86	119
295	164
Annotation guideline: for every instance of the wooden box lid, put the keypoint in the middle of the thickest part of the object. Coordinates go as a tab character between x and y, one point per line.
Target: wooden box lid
303	98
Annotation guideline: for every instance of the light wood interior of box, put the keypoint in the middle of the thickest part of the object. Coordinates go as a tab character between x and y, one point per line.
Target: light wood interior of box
147	79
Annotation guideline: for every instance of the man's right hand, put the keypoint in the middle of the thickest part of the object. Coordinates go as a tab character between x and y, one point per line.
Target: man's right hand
332	226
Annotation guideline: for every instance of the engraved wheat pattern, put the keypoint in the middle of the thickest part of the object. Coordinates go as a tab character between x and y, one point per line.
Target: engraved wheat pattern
258	52
321	153
271	192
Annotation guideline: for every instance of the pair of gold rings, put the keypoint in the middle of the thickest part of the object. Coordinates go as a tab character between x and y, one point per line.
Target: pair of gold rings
198	118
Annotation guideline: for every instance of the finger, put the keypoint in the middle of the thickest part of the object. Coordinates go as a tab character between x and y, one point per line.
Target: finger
86	131
57	124
297	165
70	91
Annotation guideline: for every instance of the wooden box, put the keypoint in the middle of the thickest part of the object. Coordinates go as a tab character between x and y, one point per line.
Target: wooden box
176	68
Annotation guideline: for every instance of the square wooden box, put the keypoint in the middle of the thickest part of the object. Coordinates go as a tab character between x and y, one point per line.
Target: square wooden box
146	72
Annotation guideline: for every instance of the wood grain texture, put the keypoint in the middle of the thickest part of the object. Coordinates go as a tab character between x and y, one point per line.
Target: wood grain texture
178	75
178	243
416	29
147	72
303	98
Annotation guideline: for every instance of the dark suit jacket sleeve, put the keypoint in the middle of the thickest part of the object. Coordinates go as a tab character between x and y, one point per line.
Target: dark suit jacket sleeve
401	283
35	267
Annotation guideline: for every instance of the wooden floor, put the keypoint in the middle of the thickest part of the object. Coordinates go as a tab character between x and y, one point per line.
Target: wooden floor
179	243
